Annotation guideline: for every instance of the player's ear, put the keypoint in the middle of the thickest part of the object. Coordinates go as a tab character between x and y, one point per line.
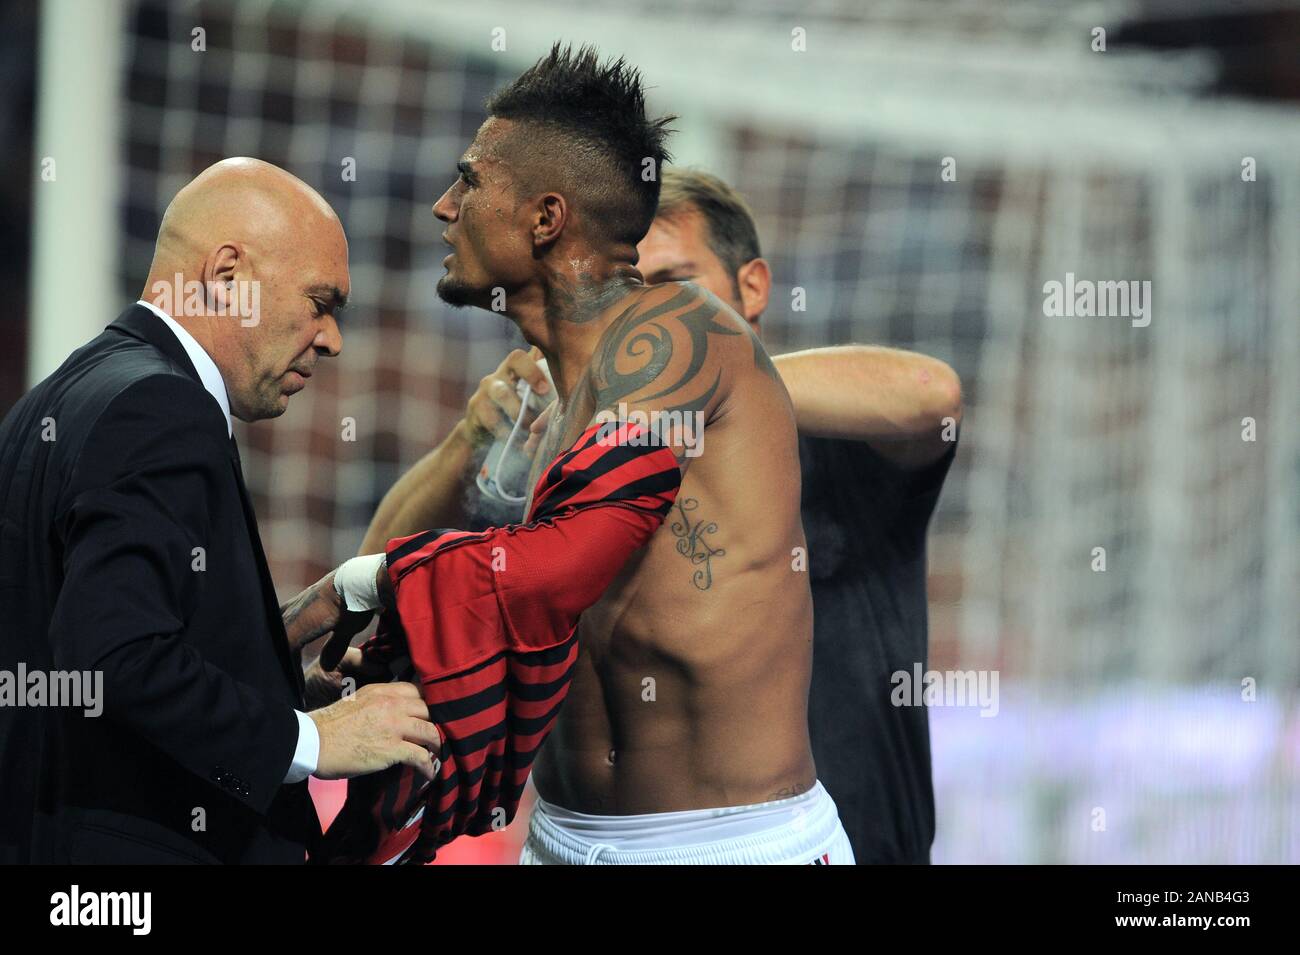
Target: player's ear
551	216
755	282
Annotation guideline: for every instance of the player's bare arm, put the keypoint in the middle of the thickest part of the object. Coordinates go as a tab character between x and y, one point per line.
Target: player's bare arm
432	493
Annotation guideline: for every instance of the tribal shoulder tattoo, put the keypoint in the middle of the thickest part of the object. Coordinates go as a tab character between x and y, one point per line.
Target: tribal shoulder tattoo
639	337
647	338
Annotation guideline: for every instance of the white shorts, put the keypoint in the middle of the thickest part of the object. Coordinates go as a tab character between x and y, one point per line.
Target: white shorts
802	830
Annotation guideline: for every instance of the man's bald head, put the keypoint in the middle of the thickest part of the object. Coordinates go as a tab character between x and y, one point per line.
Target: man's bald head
253	262
240	199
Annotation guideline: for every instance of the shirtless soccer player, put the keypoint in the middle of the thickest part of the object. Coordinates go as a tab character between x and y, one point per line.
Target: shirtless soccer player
877	435
684	735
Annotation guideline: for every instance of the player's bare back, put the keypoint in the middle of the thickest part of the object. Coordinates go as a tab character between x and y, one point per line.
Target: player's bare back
691	688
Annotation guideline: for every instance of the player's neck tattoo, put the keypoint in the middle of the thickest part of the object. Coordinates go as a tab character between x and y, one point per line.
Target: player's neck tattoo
580	299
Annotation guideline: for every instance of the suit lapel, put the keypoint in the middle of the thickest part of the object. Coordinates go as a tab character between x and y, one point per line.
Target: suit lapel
271	608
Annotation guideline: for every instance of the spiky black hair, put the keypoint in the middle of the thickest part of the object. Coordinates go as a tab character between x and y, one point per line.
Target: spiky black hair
588	118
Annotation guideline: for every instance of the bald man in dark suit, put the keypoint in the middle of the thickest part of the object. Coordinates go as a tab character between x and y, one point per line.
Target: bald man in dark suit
131	566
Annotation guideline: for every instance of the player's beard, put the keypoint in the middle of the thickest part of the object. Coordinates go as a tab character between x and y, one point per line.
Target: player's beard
457	293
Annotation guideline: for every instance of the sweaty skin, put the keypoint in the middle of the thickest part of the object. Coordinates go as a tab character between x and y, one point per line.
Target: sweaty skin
692	684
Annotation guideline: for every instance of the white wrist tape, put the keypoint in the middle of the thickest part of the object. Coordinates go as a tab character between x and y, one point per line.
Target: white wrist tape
354	581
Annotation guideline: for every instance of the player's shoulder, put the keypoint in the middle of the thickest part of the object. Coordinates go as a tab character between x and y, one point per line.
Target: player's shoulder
677	319
666	337
691	304
733	342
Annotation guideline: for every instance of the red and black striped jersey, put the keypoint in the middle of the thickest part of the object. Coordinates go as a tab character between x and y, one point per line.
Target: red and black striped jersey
489	623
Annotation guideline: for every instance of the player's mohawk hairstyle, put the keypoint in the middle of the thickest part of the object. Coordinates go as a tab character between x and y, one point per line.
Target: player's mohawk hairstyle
599	108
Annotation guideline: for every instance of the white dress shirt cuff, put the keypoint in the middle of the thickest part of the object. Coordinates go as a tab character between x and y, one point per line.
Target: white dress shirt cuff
307	754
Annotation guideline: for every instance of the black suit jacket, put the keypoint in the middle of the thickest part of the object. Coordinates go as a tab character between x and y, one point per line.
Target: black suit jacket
129	548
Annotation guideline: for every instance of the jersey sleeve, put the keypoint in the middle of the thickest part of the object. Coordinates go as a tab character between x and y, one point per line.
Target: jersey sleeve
486	624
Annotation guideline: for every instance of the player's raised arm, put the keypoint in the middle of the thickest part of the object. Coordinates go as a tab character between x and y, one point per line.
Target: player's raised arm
433	492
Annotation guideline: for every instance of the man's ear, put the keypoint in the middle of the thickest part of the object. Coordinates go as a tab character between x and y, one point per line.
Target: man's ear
552	214
755	281
220	274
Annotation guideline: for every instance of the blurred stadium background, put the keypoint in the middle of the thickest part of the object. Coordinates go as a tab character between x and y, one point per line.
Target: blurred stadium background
1120	690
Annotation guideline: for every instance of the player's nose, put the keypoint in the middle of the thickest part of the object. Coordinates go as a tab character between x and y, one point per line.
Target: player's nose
445	207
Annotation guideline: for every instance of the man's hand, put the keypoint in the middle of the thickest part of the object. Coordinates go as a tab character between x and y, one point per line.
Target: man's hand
494	406
432	494
380	726
319	611
537	430
324	687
